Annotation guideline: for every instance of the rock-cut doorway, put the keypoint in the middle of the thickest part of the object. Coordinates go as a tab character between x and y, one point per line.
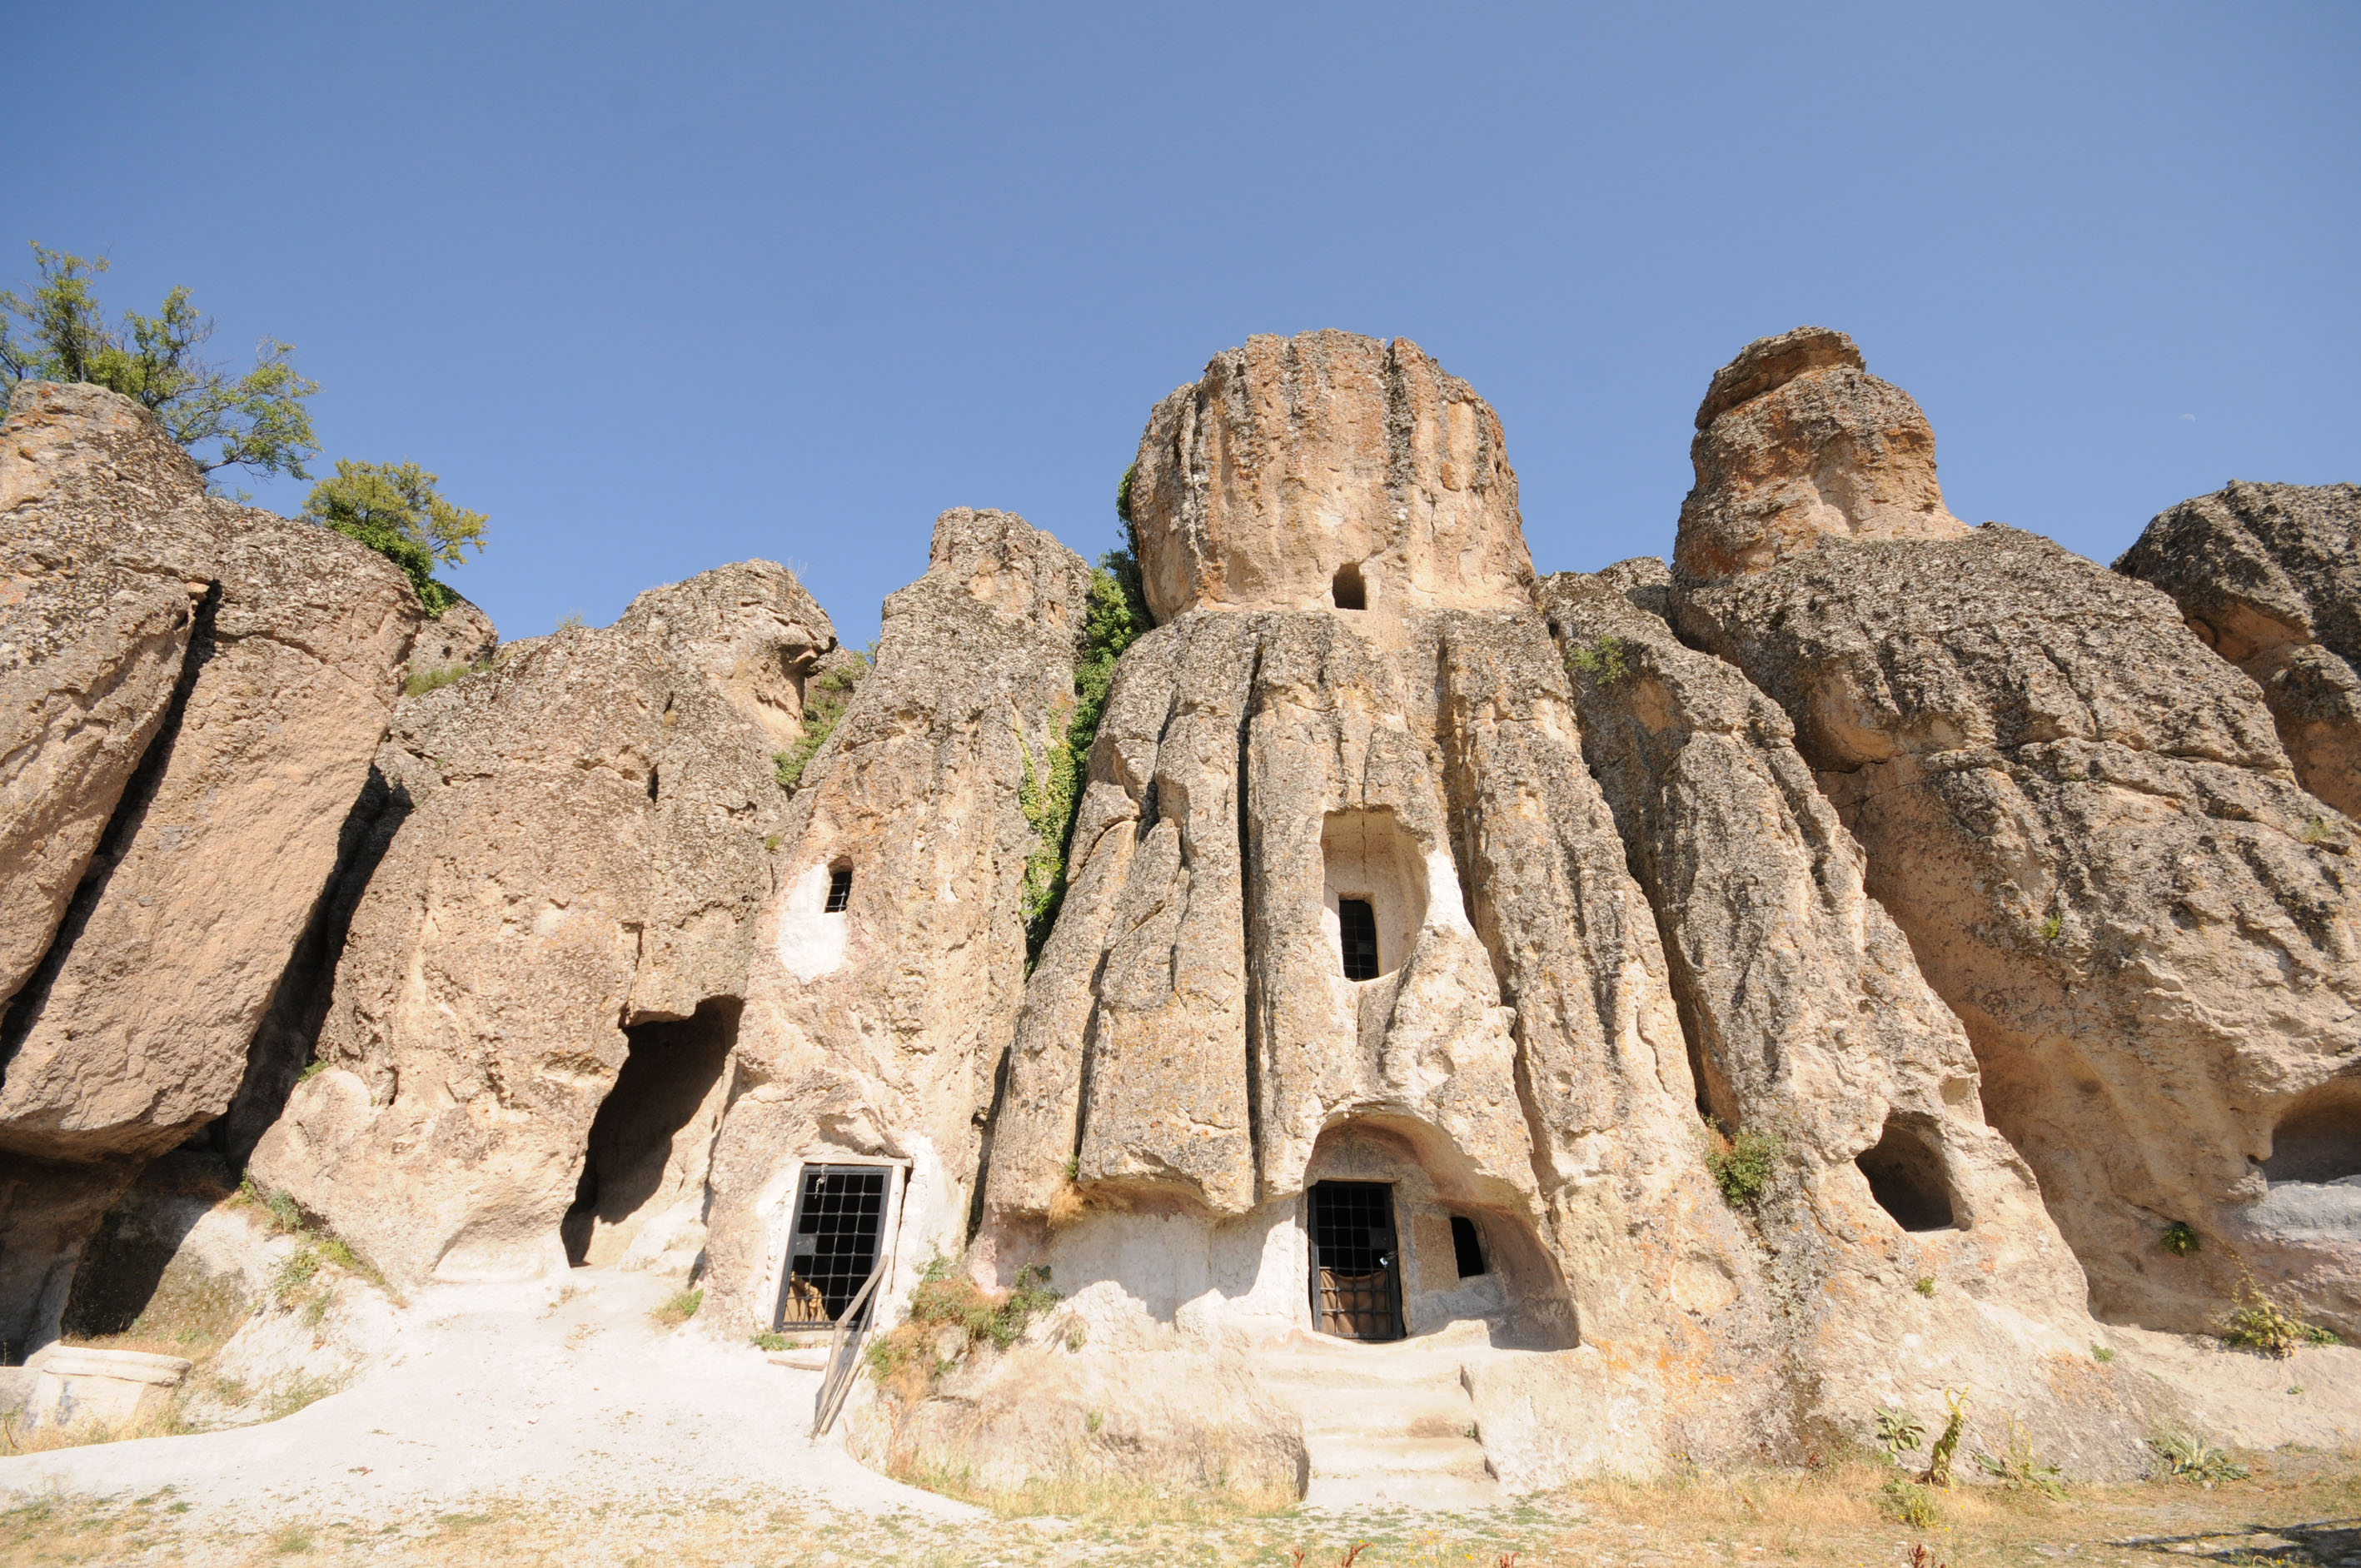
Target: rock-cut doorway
1355	1261
833	1248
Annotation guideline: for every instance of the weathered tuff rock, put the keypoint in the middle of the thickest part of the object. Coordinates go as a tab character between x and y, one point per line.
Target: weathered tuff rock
1295	459
877	1030
1797	442
576	881
190	692
270	693
2270	575
1194	1055
2085	824
1808	1019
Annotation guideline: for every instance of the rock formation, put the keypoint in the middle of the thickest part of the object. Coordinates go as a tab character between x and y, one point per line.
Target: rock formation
1698	1006
1797	442
192	692
575	880
1300	467
2085	824
874	1030
2270	576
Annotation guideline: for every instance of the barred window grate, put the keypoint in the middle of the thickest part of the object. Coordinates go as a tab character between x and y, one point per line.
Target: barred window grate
1354	1260
840	889
839	1215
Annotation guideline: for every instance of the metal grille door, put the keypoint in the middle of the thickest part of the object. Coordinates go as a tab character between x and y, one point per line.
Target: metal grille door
834	1244
1355	1262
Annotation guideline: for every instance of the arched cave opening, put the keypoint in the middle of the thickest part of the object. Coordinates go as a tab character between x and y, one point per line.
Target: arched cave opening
2319	1139
1349	591
1906	1176
648	1128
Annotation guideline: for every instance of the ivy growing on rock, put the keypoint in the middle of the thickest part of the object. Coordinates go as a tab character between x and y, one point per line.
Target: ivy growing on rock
1052	790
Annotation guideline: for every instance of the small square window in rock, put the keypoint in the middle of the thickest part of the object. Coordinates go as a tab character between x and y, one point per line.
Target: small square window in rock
840	889
1467	1246
1356	924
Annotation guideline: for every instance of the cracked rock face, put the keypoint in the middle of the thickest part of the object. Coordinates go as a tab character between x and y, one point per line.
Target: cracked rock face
876	1030
1797	443
2270	575
2085	824
1295	459
582	856
211	681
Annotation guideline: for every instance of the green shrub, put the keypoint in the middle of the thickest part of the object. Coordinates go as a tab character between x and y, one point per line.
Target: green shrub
2052	926
1926	1284
1602	660
1940	1457
1743	1166
2260	1324
2183	1457
906	1359
825	699
2180	1239
2100	1353
768	1339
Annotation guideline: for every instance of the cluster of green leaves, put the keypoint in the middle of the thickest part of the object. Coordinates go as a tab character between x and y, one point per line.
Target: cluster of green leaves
1743	1166
1955	1426
395	509
2188	1458
60	332
1602	660
1899	1433
1051	793
679	1309
825	699
2180	1239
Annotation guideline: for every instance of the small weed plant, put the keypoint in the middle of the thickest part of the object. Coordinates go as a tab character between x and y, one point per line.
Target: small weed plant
1899	1433
2183	1457
1947	1447
2260	1324
1908	1502
2053	927
2101	1354
679	1309
1743	1166
1925	1285
768	1339
2180	1239
2019	1468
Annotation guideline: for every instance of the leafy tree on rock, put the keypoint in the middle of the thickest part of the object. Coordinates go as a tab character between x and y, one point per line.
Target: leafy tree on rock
255	420
394	509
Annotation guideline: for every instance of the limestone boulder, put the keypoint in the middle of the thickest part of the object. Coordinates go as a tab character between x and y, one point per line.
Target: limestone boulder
1797	442
2085	824
1300	467
571	889
2270	576
892	952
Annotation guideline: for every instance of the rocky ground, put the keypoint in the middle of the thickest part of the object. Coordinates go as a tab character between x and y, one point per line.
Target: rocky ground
570	1424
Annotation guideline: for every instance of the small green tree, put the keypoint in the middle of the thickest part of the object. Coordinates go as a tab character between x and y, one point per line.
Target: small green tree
394	509
255	420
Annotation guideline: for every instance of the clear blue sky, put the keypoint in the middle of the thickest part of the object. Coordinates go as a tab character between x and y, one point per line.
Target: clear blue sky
660	287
